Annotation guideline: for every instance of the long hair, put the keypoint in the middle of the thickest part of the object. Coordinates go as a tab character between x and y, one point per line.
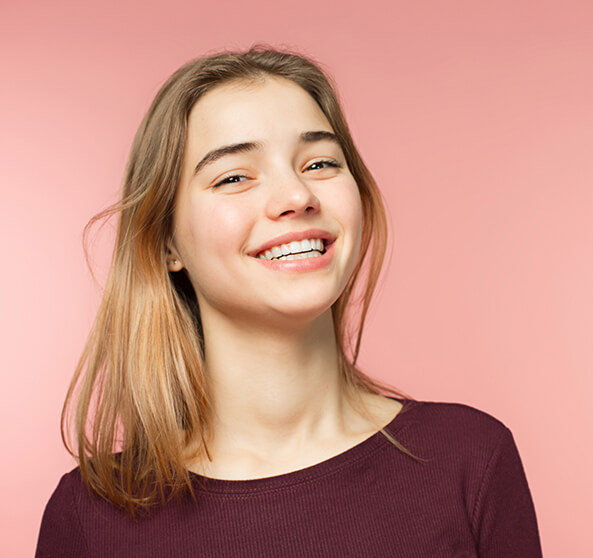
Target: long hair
138	398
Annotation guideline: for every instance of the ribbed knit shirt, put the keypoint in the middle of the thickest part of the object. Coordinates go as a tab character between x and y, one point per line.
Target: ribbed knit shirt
468	498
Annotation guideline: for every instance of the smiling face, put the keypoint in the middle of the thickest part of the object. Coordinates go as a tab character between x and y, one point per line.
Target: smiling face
262	163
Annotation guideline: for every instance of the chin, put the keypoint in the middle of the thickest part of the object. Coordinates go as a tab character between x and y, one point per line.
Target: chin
302	314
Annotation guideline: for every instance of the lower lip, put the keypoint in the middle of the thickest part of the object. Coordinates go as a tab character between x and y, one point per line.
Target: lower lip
302	265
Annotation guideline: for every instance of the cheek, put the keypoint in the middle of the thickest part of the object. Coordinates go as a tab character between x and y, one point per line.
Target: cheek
210	239
357	226
349	206
212	232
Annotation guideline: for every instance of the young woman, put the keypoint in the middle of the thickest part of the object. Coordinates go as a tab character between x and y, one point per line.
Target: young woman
217	407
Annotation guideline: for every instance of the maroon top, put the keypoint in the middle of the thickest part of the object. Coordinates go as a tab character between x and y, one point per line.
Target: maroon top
469	499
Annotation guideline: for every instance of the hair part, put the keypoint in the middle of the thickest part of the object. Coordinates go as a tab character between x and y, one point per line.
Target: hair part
139	386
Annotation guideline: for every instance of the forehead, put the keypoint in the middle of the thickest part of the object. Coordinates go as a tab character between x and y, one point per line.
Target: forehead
263	110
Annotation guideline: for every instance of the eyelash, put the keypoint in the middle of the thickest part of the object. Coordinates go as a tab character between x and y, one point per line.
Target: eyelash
329	162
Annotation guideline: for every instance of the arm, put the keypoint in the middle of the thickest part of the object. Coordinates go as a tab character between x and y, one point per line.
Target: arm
504	521
61	534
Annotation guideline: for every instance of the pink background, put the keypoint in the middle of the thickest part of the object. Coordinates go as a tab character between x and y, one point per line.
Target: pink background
477	120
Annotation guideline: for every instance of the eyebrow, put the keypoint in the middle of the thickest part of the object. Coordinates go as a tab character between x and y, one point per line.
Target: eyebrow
244	147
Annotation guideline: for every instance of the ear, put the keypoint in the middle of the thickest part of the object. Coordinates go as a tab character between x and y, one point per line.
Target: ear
174	261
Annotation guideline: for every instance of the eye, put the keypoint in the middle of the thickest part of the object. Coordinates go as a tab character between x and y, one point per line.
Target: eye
325	163
233	179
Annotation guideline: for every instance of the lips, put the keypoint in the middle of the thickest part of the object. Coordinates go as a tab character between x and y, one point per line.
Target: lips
289	237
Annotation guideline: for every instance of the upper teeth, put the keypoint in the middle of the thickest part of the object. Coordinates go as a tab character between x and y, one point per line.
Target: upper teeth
293	247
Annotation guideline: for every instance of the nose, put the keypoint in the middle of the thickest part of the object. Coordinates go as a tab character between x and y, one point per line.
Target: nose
290	195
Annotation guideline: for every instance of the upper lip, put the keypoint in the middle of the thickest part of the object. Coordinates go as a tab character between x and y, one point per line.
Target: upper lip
291	236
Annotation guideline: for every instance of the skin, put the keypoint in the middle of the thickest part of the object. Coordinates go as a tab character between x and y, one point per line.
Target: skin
271	360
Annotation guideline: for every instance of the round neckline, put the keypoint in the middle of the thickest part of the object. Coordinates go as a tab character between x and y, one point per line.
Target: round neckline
317	470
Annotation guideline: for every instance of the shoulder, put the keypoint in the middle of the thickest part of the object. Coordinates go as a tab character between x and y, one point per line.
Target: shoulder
451	417
61	531
470	461
458	431
460	450
73	501
67	499
69	489
459	413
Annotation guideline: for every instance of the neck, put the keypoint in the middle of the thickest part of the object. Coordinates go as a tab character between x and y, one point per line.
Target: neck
272	390
279	401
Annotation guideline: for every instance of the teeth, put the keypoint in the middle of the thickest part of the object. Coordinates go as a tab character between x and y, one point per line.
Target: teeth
302	256
311	247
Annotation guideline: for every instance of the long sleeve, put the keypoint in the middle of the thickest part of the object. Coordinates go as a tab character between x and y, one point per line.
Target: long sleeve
504	519
60	534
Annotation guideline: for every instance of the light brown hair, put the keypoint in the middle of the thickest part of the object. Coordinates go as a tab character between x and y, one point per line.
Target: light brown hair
139	386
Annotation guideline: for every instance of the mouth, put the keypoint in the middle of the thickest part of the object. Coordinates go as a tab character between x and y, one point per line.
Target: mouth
303	262
298	245
295	250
